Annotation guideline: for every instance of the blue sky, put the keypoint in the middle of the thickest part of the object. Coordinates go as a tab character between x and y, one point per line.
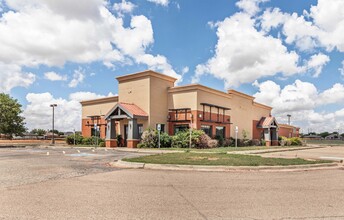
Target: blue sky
288	54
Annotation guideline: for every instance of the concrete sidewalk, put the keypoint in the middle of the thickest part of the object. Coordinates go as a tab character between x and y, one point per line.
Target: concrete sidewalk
177	167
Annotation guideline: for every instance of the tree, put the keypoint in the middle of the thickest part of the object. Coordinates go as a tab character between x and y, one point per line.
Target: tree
39	131
11	121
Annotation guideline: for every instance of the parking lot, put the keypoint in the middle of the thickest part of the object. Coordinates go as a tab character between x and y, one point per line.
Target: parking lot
335	153
78	184
19	166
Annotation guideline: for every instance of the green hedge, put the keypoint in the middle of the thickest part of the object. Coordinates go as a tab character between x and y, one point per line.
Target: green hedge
80	140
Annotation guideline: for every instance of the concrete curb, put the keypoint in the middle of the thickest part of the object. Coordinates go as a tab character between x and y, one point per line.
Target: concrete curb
177	167
274	150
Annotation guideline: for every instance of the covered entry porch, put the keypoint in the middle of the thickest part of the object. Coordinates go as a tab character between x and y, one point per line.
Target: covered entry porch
127	120
270	130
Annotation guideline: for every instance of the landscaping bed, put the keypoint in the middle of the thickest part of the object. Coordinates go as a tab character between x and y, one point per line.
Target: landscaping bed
220	159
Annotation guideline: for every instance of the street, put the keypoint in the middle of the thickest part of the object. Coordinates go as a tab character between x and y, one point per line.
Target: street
35	185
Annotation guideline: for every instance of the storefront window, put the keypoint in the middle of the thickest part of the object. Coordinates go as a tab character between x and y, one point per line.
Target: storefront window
207	129
181	127
221	131
140	127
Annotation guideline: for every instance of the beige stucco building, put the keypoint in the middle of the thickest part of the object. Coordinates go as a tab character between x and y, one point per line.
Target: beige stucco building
148	98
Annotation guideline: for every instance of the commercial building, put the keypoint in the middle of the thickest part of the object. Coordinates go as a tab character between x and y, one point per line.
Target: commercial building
148	98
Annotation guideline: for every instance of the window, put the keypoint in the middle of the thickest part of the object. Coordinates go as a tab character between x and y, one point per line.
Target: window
162	127
140	127
207	129
95	132
221	131
181	127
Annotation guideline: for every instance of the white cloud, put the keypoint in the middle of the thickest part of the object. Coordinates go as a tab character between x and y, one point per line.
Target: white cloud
38	113
332	95
160	2
244	54
81	33
78	77
251	7
124	7
323	28
317	62
12	76
52	76
300	99
341	70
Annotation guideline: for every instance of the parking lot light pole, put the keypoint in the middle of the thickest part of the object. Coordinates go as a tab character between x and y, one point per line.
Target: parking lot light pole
53	106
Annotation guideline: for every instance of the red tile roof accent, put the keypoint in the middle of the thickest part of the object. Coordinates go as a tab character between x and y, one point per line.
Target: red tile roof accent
133	109
265	122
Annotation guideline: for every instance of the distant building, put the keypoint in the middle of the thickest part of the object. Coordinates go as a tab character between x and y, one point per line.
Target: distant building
332	137
288	131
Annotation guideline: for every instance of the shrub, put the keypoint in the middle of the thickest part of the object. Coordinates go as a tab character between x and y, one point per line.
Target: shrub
229	142
150	139
294	141
102	144
203	141
182	139
212	143
70	139
256	142
87	140
220	140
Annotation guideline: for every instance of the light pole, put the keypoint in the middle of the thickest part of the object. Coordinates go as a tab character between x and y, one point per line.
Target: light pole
53	106
288	115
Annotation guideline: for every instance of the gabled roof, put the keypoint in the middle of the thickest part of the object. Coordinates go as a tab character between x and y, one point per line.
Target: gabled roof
130	109
267	122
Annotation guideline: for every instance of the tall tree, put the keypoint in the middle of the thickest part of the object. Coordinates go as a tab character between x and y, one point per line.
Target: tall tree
11	121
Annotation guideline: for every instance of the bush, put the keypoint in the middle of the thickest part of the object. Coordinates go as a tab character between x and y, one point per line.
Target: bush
294	141
203	141
150	139
182	139
70	139
229	142
212	143
220	140
102	144
256	142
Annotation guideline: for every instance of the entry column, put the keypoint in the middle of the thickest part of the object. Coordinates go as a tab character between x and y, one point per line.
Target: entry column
133	133
110	140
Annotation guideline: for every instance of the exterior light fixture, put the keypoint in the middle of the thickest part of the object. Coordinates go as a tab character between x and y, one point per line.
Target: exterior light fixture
200	115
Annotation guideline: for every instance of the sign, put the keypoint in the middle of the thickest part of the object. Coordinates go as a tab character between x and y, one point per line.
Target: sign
236	129
158	127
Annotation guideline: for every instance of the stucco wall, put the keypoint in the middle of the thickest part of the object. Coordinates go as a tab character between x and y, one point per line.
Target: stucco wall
135	91
97	109
159	101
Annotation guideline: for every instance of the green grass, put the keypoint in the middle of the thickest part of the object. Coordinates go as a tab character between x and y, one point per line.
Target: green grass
219	159
223	149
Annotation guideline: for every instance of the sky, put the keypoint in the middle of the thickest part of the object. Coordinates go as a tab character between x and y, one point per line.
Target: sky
287	54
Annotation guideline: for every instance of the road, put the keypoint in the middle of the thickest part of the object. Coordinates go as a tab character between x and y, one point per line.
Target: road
85	188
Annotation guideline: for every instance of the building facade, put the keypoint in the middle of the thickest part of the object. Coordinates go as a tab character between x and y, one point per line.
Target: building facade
148	98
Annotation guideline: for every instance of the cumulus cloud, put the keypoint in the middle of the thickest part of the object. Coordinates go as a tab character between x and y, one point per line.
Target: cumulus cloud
251	7
300	99
123	7
341	70
160	2
243	54
320	27
78	77
12	76
52	76
81	33
317	62
38	113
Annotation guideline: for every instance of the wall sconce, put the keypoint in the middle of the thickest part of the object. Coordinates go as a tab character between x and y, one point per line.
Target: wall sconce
200	115
191	116
87	122
168	117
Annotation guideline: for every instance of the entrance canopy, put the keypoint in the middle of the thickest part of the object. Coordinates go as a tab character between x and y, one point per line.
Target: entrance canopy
126	111
267	122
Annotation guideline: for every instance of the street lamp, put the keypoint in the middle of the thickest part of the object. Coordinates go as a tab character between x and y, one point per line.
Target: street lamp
53	106
288	115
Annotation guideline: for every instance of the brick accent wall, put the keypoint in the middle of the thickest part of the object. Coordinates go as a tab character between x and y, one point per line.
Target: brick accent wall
197	121
86	130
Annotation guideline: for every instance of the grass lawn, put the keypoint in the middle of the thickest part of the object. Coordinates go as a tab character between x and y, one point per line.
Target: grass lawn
219	159
224	149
